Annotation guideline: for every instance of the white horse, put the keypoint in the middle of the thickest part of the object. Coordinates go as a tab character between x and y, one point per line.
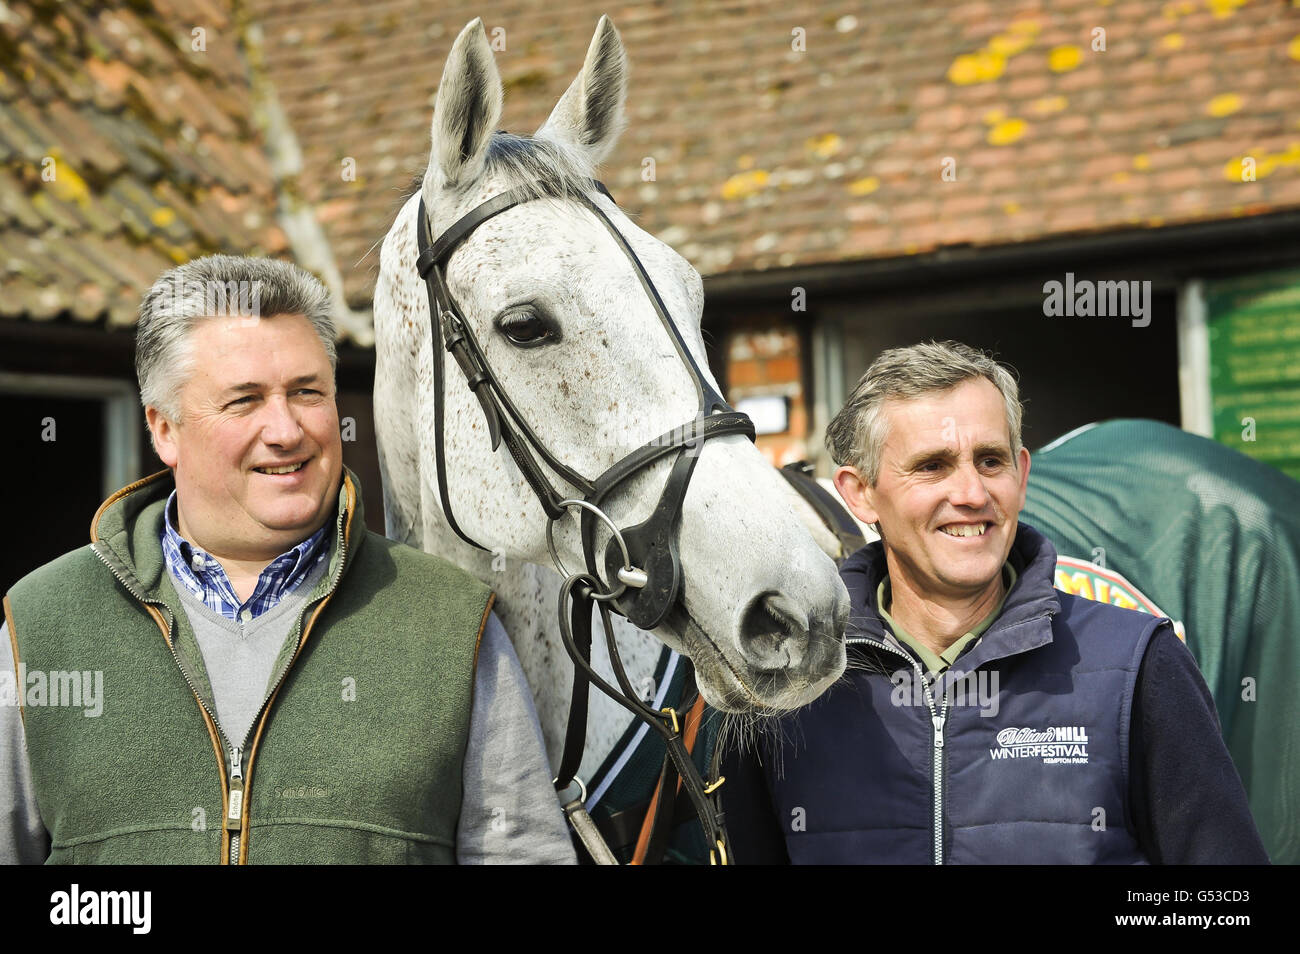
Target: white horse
572	336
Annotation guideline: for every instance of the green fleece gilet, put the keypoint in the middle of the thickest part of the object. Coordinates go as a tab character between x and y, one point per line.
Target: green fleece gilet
356	759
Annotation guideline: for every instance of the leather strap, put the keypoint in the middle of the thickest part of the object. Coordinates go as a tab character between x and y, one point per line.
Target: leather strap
831	512
585	828
439	386
575	736
441	250
623	828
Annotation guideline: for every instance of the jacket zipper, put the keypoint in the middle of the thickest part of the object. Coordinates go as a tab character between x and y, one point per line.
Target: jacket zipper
235	813
235	809
937	720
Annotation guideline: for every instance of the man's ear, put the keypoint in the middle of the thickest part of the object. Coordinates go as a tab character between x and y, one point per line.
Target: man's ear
1023	460
163	432
858	495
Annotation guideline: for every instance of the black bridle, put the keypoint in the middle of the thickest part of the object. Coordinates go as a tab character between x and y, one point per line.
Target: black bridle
641	562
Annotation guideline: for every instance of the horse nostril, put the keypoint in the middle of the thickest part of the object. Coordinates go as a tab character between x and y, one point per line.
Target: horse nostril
773	633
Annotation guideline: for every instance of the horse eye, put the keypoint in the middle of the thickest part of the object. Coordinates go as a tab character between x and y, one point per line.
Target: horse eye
526	328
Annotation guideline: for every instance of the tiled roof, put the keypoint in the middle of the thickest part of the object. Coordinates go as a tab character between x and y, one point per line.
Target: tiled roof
126	146
781	134
798	133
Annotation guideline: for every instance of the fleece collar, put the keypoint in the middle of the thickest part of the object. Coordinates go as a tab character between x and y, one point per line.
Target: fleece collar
1026	619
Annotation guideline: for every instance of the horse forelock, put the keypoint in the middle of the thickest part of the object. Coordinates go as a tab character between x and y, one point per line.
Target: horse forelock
542	167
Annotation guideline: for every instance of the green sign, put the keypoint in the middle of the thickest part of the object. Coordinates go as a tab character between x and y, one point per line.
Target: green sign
1254	330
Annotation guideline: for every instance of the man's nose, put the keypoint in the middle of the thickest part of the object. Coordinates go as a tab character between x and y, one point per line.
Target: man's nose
967	488
280	425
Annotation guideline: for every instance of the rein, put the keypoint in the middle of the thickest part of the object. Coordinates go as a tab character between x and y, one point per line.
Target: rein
641	563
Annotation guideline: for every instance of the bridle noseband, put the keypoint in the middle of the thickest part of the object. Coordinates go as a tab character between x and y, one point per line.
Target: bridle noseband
641	562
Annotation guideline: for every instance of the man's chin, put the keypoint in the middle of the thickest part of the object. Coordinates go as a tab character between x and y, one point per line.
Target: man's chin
284	522
970	576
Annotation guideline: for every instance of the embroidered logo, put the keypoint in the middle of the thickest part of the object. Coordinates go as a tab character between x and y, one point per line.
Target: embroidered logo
1055	745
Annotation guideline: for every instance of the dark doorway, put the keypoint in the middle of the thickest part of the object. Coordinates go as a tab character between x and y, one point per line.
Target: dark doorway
54	450
1072	371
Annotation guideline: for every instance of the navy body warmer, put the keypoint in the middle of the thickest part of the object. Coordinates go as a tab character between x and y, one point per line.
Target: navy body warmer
1017	754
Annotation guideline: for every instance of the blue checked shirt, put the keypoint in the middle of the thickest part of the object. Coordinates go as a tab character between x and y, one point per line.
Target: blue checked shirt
203	576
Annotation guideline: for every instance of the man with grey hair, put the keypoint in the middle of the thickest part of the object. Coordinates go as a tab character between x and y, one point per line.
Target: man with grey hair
986	717
360	700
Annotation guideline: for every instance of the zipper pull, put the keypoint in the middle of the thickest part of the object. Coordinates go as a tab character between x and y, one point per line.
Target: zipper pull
235	812
938	729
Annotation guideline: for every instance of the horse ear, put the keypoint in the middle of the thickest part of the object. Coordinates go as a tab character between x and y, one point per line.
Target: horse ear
468	106
590	113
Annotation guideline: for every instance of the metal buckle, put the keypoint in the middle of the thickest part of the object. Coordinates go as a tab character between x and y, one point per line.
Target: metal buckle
582	789
671	713
628	575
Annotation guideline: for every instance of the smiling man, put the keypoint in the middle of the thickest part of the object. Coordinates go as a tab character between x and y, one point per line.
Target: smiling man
280	685
986	717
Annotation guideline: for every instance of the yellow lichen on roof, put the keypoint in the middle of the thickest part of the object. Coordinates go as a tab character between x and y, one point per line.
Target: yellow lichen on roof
744	184
979	67
1224	8
1007	132
1049	104
1009	44
987	63
1062	59
67	185
1172	41
824	146
1265	164
1293	48
1142	162
1225	104
864	186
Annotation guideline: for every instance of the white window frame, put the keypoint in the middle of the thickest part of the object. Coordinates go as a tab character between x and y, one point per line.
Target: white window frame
1194	395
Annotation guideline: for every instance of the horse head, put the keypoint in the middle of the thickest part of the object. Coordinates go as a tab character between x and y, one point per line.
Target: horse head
558	312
